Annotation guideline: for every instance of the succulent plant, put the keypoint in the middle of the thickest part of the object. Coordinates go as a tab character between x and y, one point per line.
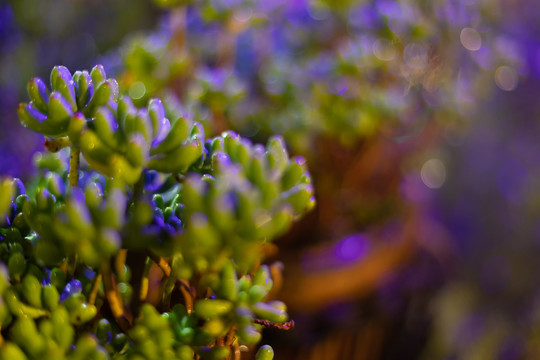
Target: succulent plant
152	245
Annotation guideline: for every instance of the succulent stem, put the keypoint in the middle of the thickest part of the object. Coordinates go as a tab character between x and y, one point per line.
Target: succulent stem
74	158
178	23
162	264
144	280
185	289
188	296
237	353
95	288
115	303
229	338
167	292
289	325
138	188
120	260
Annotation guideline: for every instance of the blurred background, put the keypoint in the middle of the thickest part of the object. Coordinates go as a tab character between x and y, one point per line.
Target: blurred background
419	123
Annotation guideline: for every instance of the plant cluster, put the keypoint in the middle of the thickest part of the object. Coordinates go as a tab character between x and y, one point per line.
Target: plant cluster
323	75
342	70
152	244
168	208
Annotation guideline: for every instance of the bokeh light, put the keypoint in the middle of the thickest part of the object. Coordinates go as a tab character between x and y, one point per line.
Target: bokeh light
506	78
433	173
470	39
